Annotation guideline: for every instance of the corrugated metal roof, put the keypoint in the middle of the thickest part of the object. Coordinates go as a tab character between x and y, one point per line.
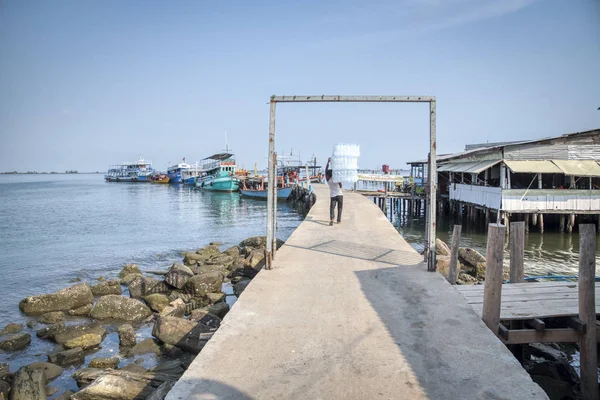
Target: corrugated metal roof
474	167
578	167
544	167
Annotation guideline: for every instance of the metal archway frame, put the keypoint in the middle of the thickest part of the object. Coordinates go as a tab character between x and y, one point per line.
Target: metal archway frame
432	192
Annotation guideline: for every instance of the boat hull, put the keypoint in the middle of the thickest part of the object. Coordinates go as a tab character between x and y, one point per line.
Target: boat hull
190	181
222	184
282	194
175	177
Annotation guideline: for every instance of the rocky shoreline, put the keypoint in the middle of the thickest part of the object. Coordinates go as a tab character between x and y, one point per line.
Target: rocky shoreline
549	364
184	309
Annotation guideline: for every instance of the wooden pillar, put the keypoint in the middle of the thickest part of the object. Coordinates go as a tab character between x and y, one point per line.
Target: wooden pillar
539	181
453	272
492	292
561	223
487	216
527	216
517	275
587	312
570	223
541	221
534	219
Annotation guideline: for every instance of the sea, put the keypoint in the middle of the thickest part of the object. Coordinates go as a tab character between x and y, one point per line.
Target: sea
61	228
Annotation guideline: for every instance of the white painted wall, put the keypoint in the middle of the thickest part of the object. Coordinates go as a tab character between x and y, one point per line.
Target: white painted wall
551	200
490	197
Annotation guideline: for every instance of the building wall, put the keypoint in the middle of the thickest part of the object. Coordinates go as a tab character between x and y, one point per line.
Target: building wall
490	197
550	200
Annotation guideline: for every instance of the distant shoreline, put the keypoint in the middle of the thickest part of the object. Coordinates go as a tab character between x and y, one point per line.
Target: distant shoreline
51	173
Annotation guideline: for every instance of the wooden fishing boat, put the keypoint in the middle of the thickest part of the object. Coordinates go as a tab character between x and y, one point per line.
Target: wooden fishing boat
162	178
282	193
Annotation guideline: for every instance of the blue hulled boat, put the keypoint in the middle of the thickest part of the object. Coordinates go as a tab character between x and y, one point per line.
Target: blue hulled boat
176	172
140	171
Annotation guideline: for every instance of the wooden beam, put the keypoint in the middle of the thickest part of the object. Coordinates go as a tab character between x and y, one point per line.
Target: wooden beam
522	336
587	311
536	324
517	249
492	295
576	324
453	273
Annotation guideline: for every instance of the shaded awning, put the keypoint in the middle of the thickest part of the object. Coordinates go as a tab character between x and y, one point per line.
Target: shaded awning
472	167
543	166
220	156
578	167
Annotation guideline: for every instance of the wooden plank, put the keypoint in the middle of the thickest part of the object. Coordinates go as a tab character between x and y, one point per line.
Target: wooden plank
527	298
576	324
524	292
533	312
517	248
516	286
522	336
587	312
453	273
536	324
493	276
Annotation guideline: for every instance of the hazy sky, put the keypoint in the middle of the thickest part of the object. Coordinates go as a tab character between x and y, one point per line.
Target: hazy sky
84	84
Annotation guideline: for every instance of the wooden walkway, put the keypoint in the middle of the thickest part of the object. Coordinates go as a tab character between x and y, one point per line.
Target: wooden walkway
522	301
350	312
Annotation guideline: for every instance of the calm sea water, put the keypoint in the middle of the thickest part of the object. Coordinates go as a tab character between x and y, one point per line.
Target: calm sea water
54	228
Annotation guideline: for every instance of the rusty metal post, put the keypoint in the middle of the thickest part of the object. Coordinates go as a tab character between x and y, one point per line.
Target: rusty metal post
274	251
270	180
431	204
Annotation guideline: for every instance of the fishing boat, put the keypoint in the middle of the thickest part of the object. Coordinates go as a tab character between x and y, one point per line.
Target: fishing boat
282	193
139	171
175	172
159	178
218	173
188	176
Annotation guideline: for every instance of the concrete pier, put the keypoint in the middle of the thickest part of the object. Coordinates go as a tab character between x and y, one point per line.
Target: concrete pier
350	312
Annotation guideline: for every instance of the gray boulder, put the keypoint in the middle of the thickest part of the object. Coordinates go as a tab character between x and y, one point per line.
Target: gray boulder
255	259
157	301
219	309
51	371
62	334
143	286
441	248
176	308
233	251
105	363
256	242
187	335
126	336
211	321
52	317
29	384
199	285
120	385
67	357
63	300
11	328
127	279
120	307
107	287
178	275
66	395
146	346
86	341
129	269
81	311
161	392
470	257
216	297
239	287
14	342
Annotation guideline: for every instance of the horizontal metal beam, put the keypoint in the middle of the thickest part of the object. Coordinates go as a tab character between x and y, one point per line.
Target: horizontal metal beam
355	99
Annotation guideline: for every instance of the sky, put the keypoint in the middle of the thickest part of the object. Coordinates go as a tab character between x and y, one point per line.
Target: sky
85	84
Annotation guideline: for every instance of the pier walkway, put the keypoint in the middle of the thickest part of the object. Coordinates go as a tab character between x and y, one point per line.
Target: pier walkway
350	312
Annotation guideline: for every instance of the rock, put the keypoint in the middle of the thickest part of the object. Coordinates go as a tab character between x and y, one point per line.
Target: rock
101	279
208	252
465	279
67	357
255	259
86	341
63	300
187	335
470	257
199	285
3	370
256	242
4	390
126	336
245	251
129	269
168	350
555	389
14	342
120	307
211	321
143	286
31	323
161	392
172	367
239	287
441	248
146	346
127	279
52	317
178	275
216	297
65	396
134	368
85	376
76	279
222	259
11	328
219	309
51	390
107	287
119	385
560	370
157	301
82	311
64	334
104	363
233	251
51	371
442	265
176	308
547	352
49	331
29	384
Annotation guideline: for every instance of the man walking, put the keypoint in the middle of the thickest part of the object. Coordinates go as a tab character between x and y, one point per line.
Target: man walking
336	195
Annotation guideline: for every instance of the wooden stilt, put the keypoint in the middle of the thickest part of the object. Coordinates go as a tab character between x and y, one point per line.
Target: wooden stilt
527	216
534	219
453	272
493	276
541	221
517	274
561	223
570	223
